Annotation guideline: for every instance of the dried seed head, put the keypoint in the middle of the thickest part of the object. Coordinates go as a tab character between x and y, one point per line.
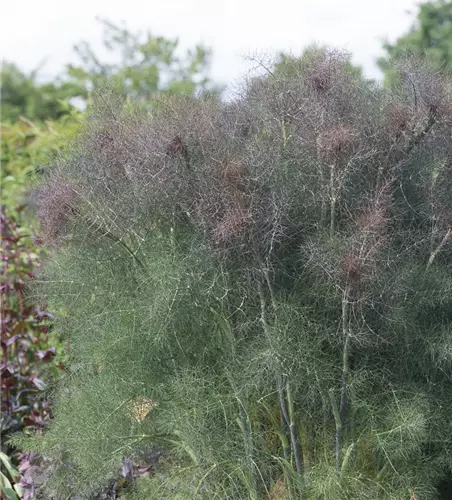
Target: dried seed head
374	218
324	70
351	268
446	218
56	204
233	174
141	407
320	76
233	224
177	147
105	139
397	118
335	142
372	221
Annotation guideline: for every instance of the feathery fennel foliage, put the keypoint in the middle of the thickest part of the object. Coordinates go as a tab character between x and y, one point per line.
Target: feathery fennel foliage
260	290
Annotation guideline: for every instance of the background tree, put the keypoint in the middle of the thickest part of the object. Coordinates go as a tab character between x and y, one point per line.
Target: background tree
141	65
430	37
286	61
23	95
138	65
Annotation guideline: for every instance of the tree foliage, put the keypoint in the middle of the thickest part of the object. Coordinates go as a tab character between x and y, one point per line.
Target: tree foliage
430	37
141	65
287	60
28	146
257	292
23	95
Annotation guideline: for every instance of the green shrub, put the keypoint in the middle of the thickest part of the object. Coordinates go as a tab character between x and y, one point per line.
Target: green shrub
28	146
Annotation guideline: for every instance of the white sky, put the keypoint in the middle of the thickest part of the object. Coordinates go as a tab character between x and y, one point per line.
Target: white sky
32	31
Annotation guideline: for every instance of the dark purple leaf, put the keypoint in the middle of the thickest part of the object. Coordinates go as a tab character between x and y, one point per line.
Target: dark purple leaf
143	470
41	315
20	409
35	380
127	468
24	465
28	422
47	354
7	369
9	341
19	284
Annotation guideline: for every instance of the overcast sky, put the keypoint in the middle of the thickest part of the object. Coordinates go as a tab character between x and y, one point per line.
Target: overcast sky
36	30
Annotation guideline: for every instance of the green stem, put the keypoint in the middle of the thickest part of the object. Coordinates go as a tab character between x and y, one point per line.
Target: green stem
345	354
438	248
279	385
337	420
245	427
287	410
284	414
324	206
332	200
293	432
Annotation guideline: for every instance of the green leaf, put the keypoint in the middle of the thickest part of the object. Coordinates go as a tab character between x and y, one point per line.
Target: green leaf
13	472
6	488
19	489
